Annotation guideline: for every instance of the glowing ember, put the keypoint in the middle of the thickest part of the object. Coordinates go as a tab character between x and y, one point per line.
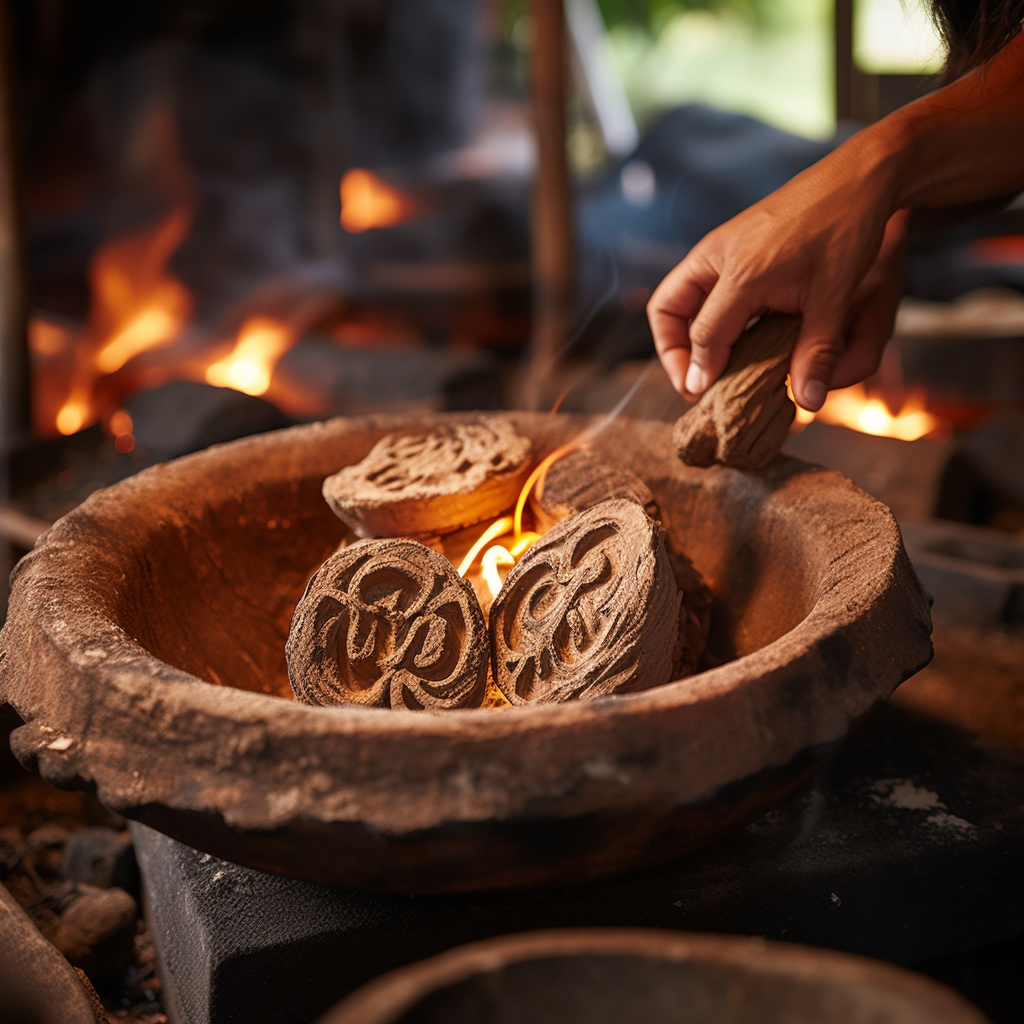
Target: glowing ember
250	364
75	412
368	202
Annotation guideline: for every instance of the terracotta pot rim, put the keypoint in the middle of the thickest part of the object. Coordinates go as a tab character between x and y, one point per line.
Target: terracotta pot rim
825	618
385	998
397	775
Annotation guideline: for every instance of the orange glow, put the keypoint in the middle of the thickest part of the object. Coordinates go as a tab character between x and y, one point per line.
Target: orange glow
121	423
494	556
136	305
368	202
536	478
46	338
854	408
509	529
998	250
75	413
497	529
250	364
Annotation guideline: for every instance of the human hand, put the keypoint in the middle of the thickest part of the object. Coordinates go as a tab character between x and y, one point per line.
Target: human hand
823	246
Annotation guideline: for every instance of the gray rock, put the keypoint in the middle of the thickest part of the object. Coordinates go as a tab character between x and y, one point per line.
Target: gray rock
99	856
97	932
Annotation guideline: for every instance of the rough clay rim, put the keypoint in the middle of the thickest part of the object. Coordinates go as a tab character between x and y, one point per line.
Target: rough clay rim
829	616
385	998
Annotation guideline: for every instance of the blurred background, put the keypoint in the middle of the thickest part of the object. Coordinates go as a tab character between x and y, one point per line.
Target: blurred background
223	217
220	217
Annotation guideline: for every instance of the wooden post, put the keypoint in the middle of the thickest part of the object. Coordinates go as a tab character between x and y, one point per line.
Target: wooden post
552	226
856	92
14	378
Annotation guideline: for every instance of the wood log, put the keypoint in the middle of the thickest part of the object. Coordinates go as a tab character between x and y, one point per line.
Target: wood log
742	420
581	480
591	609
388	623
432	483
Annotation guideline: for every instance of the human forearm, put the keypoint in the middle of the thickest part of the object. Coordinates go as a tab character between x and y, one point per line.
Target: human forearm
965	142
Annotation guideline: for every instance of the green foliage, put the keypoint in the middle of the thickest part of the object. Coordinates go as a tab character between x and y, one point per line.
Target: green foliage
653	14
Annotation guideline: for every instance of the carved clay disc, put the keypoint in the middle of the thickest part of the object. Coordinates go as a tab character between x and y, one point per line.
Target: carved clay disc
581	480
694	612
435	482
591	609
388	623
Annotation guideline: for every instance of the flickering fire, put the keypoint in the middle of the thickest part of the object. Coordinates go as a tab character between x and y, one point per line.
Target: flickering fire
855	408
368	202
137	306
509	529
249	366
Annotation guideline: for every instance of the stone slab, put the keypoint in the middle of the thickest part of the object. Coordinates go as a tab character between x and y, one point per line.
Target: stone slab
906	847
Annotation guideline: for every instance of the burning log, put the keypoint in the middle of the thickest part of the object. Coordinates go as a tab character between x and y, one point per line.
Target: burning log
743	419
591	609
580	480
432	483
388	623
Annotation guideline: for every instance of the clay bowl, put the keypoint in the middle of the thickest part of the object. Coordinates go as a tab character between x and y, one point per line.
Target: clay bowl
639	976
145	651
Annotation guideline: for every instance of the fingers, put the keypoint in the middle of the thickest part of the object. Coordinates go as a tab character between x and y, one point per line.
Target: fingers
695	320
713	332
674	303
865	341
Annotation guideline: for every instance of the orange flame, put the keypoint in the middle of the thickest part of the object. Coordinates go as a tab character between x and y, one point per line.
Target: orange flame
511	527
368	202
853	407
137	306
249	366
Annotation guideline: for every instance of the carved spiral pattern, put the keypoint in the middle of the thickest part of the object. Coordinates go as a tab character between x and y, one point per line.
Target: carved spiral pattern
453	475
591	609
388	623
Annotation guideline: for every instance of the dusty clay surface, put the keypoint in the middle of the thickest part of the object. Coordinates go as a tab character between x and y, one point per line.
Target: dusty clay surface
144	648
742	420
580	480
609	975
388	623
590	610
432	481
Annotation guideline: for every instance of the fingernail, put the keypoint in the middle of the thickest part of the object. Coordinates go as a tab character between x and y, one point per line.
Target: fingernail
813	395
696	379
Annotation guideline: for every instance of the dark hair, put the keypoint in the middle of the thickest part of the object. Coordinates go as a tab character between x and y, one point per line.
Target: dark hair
975	30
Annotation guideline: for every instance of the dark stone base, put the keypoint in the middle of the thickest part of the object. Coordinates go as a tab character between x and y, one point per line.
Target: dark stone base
907	846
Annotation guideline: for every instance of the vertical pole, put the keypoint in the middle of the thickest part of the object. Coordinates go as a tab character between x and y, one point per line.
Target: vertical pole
14	379
856	92
551	221
843	39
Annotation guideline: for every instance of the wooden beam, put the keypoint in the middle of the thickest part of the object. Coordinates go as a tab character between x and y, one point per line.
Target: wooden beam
552	225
